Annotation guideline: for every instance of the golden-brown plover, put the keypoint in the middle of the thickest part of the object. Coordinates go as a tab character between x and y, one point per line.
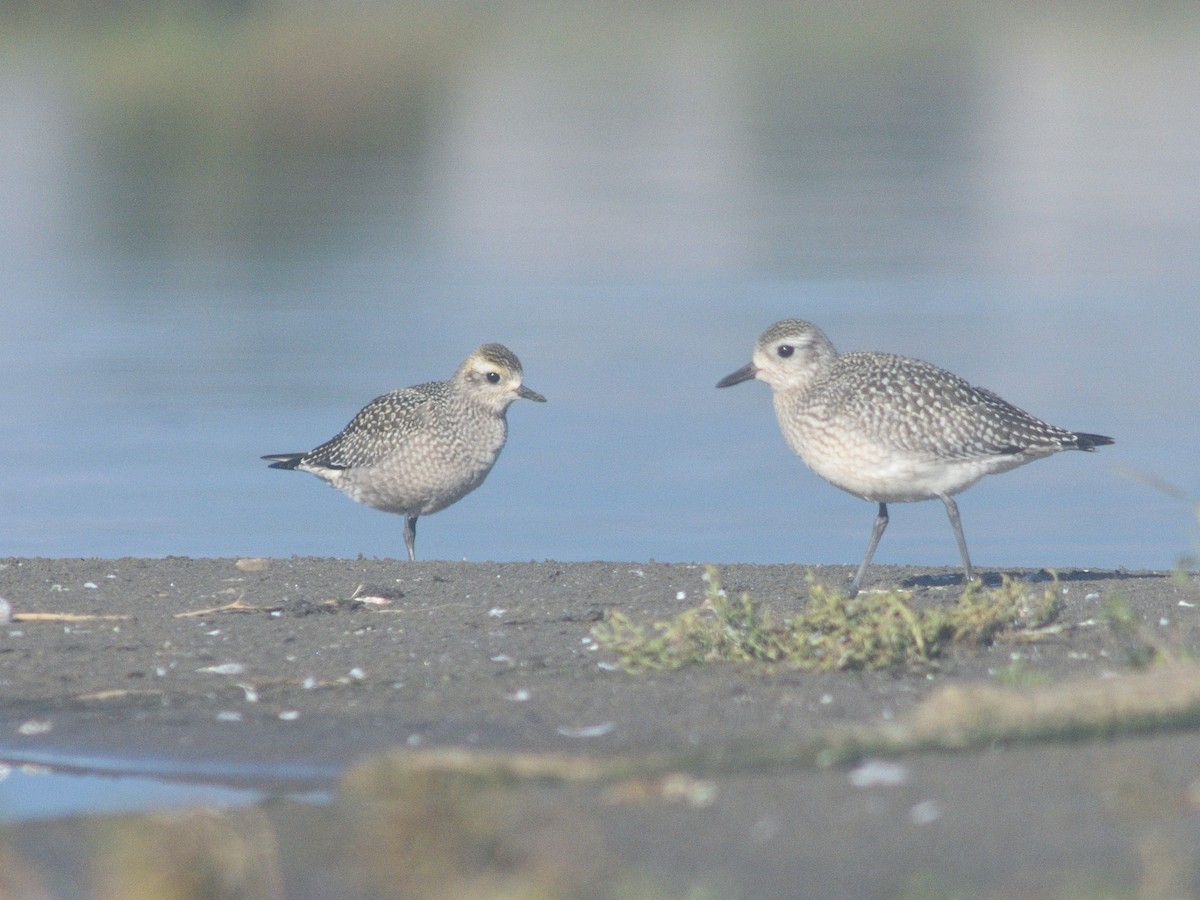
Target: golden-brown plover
416	450
890	429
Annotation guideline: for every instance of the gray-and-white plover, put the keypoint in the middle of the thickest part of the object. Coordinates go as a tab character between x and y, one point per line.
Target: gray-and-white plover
890	429
416	450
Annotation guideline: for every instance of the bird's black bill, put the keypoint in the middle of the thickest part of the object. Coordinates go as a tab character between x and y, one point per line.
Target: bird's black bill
528	394
745	373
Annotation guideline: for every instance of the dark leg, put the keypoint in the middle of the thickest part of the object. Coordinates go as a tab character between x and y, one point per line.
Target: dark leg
410	536
881	521
952	512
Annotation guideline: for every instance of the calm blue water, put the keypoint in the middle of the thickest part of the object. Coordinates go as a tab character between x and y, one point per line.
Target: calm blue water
27	794
189	280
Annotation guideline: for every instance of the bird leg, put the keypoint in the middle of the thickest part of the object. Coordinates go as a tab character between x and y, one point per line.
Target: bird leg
952	512
410	536
881	521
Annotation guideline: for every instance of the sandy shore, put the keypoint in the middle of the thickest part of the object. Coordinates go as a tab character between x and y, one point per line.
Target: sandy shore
285	672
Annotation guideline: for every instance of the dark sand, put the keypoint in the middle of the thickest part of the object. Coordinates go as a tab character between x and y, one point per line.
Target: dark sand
498	657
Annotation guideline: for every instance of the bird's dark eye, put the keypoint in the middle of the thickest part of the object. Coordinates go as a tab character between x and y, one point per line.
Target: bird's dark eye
786	350
493	377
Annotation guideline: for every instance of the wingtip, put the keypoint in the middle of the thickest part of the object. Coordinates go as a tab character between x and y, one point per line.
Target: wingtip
283	460
1087	441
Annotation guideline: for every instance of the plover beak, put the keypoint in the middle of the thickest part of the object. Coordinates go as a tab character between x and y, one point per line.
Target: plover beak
745	373
529	394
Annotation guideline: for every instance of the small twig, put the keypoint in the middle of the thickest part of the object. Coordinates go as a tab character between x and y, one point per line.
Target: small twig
418	609
236	606
113	693
62	617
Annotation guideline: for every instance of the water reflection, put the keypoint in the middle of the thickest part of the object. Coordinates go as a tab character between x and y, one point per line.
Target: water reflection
30	793
219	238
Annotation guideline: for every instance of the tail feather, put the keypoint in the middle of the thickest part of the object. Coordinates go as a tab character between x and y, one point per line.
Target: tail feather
1085	441
284	460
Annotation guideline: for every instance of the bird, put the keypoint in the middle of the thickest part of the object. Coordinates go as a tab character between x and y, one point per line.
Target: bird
416	450
892	429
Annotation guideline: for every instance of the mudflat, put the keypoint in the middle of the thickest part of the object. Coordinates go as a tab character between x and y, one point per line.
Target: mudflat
528	762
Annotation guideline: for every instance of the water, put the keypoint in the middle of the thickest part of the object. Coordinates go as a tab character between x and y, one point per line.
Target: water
210	255
28	793
52	782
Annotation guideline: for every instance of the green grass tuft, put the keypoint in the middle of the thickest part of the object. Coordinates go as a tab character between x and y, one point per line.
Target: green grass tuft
871	631
1145	646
